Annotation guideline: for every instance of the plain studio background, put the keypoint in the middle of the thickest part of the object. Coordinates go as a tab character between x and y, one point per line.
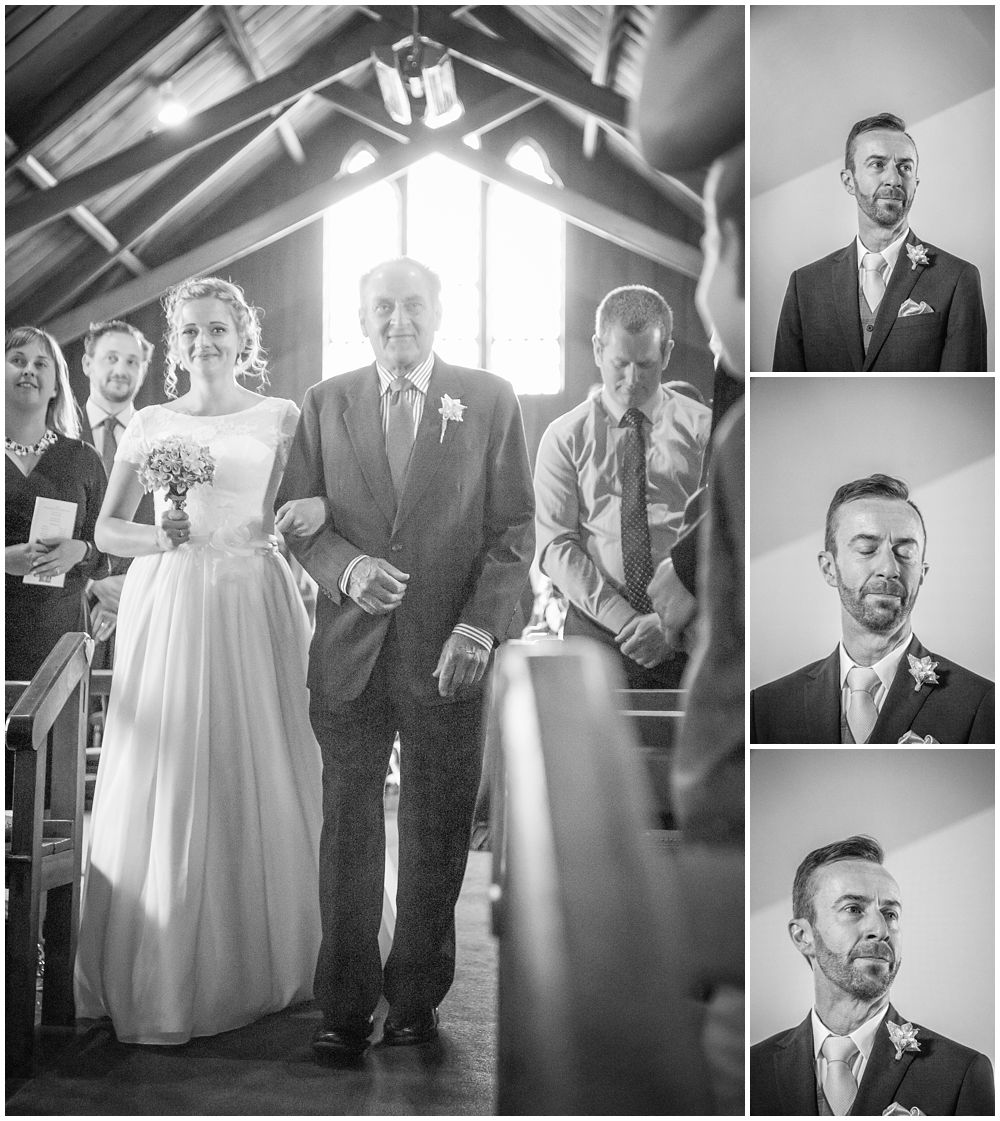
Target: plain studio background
807	436
932	810
811	73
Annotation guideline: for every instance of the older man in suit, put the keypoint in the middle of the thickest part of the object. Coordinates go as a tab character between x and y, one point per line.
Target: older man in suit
880	685
854	1053
420	566
888	301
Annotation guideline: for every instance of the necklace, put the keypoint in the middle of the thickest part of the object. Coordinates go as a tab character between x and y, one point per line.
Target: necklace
23	450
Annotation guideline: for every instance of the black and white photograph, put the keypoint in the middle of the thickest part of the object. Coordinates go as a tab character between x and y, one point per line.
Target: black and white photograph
870	933
871	140
374	616
871	557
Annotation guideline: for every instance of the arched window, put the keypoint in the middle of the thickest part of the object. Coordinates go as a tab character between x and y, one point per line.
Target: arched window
500	256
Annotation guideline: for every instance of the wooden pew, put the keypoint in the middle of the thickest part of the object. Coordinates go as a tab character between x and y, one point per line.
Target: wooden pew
46	718
595	1012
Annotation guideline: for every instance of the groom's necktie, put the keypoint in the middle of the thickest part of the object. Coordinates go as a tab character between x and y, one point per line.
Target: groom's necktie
637	553
861	712
399	432
873	283
839	1085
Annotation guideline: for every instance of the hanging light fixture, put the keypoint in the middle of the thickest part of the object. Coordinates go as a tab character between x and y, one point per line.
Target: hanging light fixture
170	109
416	77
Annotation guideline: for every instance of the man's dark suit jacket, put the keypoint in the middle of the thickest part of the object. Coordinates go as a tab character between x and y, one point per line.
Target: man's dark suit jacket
943	1078
804	707
820	324
145	512
464	529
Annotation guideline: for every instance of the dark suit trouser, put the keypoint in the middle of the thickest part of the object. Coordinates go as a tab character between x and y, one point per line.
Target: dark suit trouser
441	749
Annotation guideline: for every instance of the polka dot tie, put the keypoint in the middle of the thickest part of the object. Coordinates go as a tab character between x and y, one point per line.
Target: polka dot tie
861	711
636	551
873	283
399	432
839	1085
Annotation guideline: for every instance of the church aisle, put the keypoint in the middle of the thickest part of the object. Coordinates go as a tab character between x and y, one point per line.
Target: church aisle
268	1068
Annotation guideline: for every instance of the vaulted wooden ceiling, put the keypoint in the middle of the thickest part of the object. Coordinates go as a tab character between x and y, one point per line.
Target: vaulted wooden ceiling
101	199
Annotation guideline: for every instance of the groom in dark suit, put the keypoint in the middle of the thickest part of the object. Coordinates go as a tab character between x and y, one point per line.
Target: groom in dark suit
888	301
854	1053
420	564
880	685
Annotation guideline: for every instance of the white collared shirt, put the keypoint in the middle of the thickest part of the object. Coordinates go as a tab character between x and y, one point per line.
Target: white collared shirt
886	668
863	1037
97	414
890	254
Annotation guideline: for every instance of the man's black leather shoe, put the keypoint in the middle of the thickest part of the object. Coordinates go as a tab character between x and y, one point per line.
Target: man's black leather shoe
345	1042
421	1028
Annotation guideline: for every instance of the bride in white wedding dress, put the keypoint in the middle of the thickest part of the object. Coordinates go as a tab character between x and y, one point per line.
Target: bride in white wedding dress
200	909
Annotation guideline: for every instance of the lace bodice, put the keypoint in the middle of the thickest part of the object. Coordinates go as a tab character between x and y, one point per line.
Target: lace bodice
250	449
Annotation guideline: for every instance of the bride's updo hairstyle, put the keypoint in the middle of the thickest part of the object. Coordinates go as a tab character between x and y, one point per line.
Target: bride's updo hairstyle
252	359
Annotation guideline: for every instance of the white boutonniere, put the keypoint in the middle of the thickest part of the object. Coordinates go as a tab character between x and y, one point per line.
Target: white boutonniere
903	1036
922	671
451	409
897	1110
918	255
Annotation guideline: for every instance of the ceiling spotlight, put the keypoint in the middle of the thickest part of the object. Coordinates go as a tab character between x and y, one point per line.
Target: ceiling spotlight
170	111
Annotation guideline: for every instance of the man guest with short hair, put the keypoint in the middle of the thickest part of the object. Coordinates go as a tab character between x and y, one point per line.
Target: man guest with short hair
612	479
889	300
854	1053
880	685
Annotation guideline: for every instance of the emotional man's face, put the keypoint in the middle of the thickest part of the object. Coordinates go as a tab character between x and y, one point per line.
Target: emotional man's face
883	180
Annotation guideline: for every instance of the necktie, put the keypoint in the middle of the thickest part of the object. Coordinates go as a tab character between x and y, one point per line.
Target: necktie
873	285
399	432
636	551
110	444
861	712
839	1086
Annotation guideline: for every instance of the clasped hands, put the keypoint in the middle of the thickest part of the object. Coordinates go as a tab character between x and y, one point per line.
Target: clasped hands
378	587
46	559
649	639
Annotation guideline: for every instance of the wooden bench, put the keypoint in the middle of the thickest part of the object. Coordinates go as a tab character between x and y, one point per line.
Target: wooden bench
46	721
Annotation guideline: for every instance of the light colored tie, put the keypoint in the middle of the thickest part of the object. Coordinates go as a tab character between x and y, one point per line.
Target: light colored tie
839	1086
873	283
110	444
861	711
399	432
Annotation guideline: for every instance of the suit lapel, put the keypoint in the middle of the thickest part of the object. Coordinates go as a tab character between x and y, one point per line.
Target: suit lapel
821	702
903	702
883	1074
363	422
899	288
429	450
845	299
795	1072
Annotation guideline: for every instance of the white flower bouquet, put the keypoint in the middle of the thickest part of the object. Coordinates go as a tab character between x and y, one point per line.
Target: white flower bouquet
175	465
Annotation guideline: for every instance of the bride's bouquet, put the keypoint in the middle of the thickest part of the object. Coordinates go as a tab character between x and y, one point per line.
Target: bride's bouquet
175	464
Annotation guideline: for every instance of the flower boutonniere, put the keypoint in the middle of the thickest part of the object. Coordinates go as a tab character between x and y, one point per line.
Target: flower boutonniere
918	255
922	671
451	409
903	1036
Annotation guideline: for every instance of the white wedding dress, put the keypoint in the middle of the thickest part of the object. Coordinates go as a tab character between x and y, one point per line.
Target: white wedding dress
200	908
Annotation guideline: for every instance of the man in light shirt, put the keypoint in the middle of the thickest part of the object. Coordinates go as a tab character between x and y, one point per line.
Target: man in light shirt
854	1053
888	301
612	479
880	685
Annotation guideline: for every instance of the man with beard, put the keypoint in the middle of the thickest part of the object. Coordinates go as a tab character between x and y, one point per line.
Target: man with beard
880	685
889	300
854	1053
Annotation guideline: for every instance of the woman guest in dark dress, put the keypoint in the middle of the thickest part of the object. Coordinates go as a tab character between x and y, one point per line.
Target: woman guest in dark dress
45	459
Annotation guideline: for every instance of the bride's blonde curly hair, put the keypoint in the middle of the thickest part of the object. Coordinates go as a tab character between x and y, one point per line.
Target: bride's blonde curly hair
253	357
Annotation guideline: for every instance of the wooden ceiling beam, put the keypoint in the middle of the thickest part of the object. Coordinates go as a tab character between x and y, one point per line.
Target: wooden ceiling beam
140	39
612	33
32	33
236	31
211	255
320	66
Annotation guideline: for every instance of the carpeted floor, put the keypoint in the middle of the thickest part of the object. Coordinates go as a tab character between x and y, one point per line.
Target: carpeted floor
269	1069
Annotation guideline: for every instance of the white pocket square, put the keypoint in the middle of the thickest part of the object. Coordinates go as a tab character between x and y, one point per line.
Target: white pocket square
912	737
911	307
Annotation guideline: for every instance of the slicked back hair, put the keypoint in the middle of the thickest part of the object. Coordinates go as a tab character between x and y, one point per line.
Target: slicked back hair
117	327
873	486
635	308
870	124
858	847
